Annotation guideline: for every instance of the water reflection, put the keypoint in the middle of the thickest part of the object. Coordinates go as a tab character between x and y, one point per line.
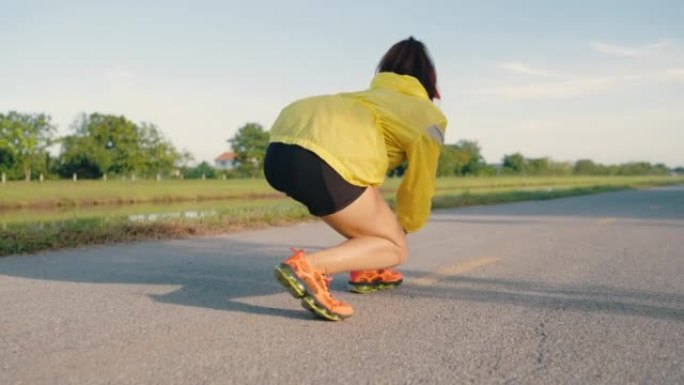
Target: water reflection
133	212
194	214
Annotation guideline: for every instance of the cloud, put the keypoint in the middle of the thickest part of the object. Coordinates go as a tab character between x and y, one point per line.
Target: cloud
614	50
563	88
658	63
652	49
674	74
663	62
581	85
522	68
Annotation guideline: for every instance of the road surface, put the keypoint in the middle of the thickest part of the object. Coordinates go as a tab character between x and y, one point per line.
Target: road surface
585	290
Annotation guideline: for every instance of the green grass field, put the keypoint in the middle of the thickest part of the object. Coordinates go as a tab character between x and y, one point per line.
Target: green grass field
84	193
58	214
116	192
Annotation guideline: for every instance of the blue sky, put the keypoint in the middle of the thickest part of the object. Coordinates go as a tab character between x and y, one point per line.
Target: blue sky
570	80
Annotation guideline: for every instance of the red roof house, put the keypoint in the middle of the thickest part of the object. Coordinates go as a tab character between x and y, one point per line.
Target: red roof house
225	161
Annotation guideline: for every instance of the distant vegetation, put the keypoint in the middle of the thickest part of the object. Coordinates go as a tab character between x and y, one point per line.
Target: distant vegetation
108	146
98	145
116	211
464	159
143	172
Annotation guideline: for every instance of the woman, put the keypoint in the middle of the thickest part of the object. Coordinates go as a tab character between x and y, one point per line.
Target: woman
332	152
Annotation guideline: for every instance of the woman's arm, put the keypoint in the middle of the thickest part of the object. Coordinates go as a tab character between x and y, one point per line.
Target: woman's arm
414	197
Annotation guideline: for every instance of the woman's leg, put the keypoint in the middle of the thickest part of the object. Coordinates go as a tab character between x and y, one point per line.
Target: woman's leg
375	239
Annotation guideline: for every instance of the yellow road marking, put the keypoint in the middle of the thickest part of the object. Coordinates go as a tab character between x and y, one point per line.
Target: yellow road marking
607	221
453	270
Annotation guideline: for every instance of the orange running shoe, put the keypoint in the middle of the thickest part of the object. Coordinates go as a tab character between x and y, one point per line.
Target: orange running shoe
309	284
368	281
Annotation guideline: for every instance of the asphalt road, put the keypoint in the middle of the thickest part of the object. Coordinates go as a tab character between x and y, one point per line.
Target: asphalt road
586	290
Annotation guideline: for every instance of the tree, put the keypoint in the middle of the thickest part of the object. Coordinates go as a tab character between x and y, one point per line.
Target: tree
462	158
470	157
249	145
586	167
514	163
660	169
448	164
641	168
560	168
24	140
7	162
158	153
539	166
113	144
518	164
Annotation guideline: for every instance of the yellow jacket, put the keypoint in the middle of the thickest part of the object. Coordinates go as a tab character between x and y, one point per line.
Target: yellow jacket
362	135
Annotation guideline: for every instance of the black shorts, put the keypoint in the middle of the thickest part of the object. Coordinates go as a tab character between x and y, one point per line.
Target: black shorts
306	178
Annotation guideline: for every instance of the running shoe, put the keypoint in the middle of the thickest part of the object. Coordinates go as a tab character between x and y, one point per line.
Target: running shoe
303	281
368	281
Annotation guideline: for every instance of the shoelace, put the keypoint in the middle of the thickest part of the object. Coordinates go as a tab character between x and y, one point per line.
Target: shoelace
327	280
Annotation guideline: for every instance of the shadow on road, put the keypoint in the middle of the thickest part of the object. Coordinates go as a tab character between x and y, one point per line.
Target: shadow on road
217	273
212	273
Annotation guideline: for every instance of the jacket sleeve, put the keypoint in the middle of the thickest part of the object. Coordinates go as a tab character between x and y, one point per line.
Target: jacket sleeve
414	197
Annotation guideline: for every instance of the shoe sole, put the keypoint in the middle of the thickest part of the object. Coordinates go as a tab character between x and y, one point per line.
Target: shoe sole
365	288
297	289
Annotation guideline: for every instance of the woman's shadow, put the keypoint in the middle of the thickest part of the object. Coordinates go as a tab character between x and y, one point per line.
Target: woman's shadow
216	273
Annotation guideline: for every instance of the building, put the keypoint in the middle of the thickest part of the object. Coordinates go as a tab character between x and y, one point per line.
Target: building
225	161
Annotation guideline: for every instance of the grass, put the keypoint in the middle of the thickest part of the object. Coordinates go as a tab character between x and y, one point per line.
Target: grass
508	196
147	209
63	193
233	205
30	238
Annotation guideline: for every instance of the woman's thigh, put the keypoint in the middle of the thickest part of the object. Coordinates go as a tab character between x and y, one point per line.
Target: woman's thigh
368	215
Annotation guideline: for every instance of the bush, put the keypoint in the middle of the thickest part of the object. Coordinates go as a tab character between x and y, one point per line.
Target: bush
202	169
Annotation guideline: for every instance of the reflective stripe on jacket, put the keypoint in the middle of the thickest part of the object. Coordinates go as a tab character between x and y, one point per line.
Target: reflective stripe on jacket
362	135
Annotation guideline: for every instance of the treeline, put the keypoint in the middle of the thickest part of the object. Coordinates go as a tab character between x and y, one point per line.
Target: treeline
101	145
111	146
465	159
98	145
517	164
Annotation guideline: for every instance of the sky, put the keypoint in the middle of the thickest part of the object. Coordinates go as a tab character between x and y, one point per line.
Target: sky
600	80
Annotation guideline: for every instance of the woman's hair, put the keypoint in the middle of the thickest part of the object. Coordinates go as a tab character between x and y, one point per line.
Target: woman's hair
410	57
